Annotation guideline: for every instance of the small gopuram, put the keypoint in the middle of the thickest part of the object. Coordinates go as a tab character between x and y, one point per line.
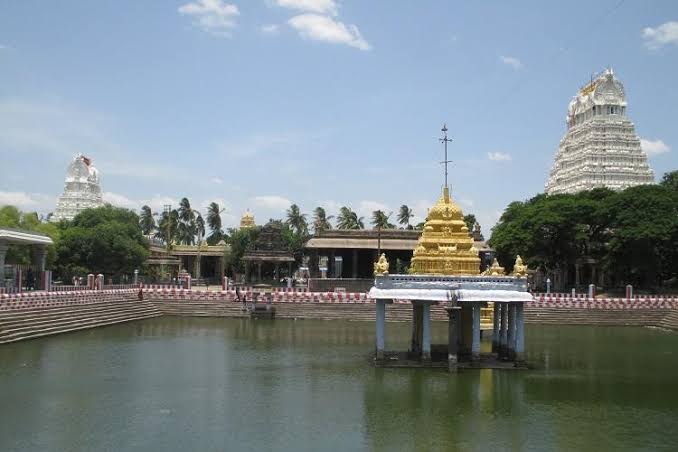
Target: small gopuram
267	255
445	270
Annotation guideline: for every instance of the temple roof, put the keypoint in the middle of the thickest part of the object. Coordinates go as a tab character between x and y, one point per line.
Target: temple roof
445	246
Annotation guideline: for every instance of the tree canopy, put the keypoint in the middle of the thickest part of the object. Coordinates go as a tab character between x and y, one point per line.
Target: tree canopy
104	240
633	233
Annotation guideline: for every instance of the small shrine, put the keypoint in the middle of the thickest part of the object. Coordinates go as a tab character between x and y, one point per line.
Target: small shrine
267	255
445	270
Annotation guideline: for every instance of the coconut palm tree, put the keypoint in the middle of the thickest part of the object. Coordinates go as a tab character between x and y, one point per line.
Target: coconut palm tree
380	220
404	216
199	226
348	219
214	223
321	222
296	220
186	230
146	220
168	229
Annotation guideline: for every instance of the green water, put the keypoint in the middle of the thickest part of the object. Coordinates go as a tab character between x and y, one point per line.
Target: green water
183	384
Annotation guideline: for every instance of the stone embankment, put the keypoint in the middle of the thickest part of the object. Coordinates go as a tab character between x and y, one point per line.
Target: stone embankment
560	310
26	316
33	315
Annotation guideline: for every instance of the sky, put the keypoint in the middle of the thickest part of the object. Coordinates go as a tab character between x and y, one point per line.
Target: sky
256	104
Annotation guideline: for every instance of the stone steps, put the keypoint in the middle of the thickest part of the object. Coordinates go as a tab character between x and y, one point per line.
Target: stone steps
29	324
578	316
670	321
39	314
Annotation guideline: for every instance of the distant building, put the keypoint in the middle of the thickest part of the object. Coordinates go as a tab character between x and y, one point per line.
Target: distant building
81	190
600	147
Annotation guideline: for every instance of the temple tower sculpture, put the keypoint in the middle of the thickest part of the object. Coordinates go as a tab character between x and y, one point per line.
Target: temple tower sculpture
81	191
445	246
247	220
601	147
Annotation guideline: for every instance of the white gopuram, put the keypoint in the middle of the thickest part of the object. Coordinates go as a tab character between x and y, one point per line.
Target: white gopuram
600	148
81	190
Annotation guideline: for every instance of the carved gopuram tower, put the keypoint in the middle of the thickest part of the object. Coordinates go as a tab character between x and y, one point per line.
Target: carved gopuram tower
601	147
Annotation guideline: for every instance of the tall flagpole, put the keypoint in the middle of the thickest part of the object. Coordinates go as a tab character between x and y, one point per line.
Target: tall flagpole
445	140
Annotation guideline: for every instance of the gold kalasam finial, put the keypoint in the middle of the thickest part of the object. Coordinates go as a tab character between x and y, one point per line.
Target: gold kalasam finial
519	269
381	267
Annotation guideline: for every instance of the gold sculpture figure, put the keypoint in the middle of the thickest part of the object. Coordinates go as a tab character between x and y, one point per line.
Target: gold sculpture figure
494	270
381	267
519	269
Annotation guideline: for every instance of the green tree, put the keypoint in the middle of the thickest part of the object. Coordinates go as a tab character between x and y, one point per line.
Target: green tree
404	216
12	217
296	220
241	240
146	220
321	222
187	228
643	240
168	227
348	219
380	220
105	240
670	180
199	227
214	223
470	221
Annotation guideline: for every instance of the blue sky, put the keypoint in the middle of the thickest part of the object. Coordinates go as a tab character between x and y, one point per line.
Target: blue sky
259	103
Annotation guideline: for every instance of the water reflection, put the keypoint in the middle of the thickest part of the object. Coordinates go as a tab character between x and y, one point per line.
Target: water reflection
200	384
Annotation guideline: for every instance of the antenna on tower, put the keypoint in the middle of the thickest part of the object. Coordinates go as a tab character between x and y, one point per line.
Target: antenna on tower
445	140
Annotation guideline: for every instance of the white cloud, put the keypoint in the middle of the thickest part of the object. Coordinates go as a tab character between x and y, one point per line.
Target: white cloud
366	207
323	28
217	180
16	198
312	6
515	63
63	130
4	47
466	202
272	202
654	147
664	34
119	200
28	201
212	16
270	29
499	156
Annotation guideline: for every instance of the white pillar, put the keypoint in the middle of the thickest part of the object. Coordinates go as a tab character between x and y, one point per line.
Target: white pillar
503	333
380	324
426	333
475	341
452	338
495	328
520	333
511	331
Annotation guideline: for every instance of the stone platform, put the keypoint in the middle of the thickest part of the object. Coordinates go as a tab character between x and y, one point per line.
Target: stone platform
439	361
